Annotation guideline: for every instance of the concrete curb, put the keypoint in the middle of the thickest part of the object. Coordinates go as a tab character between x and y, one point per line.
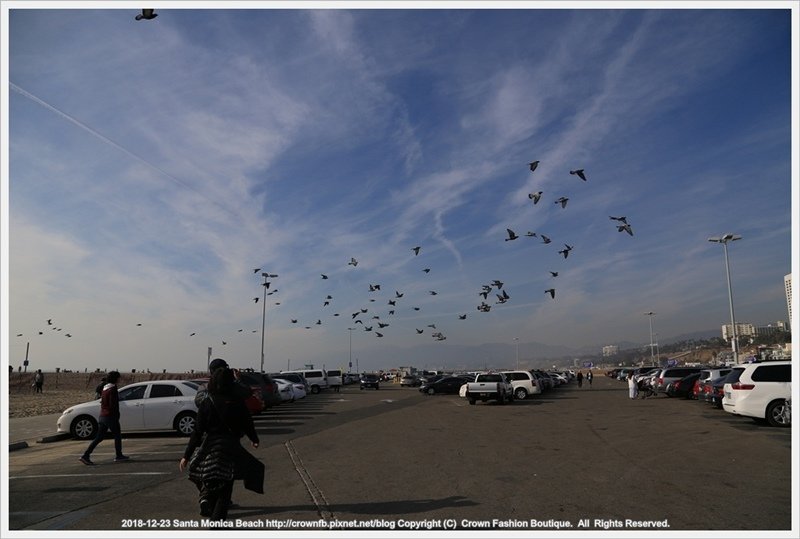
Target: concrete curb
17	445
53	438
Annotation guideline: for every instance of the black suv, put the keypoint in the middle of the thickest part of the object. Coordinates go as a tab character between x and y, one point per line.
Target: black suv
370	380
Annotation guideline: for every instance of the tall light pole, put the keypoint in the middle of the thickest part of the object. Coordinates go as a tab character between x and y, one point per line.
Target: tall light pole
650	315
350	363
265	284
724	241
516	341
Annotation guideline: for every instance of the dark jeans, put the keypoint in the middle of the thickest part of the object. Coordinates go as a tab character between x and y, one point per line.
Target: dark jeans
104	425
217	494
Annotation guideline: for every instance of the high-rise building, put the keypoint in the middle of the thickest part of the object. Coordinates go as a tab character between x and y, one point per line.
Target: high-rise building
742	330
787	285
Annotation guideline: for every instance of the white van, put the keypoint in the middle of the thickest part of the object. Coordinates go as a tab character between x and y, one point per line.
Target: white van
334	379
317	379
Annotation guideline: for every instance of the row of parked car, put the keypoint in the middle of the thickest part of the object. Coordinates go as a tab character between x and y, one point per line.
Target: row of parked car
523	383
169	404
760	390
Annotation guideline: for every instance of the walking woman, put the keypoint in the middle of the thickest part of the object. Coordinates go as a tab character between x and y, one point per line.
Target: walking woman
108	420
223	419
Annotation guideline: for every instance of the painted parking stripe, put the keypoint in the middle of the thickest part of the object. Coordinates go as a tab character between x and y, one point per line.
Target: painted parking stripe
84	475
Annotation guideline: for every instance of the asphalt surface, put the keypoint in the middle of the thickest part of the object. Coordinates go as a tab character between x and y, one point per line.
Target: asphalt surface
394	459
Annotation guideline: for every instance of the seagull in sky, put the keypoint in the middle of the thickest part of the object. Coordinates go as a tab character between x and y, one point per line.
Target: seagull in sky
511	235
147	15
579	173
535	196
562	201
533	165
416	250
626	227
551	291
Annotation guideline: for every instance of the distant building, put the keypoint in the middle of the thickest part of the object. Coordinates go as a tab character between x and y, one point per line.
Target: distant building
787	285
742	330
769	329
610	350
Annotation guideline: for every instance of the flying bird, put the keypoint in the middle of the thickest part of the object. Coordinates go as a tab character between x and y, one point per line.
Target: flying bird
626	227
382	324
416	308
535	196
224	343
324	276
530	234
562	201
147	15
551	291
554	273
378	334
545	239
192	334
256	270
533	165
432	326
579	173
565	252
432	292
416	250
392	302
294	320
49	321
398	294
427	270
621	219
511	235
255	299
498	284
139	324
462	316
353	262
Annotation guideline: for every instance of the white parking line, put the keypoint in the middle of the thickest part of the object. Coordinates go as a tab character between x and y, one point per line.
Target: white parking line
84	475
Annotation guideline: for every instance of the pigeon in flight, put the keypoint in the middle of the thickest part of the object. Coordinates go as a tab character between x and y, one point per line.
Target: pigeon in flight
432	292
462	316
382	324
621	219
294	320
139	324
49	321
256	270
530	234
511	235
416	308
353	262
565	252
535	196
392	302
224	343
192	334
545	239
579	173
551	291
416	250
419	331
432	326
378	334
502	298
147	15
626	227
498	284
398	294
255	299
324	276
427	270
554	273
533	165
562	201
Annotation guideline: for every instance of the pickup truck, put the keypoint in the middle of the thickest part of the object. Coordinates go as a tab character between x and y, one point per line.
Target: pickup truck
490	386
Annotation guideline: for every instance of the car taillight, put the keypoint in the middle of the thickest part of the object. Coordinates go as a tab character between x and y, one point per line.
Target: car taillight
739	385
661	381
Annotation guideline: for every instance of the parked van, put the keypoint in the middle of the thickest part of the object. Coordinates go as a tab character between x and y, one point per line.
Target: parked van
673	374
334	379
317	379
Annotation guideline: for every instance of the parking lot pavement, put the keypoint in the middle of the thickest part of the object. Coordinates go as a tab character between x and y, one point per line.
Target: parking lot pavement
395	457
26	431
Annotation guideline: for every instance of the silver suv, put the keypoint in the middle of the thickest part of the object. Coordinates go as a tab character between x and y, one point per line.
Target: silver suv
672	374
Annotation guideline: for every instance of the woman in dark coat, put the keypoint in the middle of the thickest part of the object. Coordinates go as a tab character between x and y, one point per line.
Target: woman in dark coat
224	418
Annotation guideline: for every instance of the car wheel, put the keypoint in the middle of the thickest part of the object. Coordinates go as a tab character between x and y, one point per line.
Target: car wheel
377	388
314	389
471	401
520	393
84	427
776	414
184	423
431	391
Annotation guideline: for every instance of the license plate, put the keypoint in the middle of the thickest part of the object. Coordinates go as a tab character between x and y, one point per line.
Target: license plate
484	394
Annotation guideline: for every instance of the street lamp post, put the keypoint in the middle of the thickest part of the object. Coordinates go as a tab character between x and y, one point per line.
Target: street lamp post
724	241
265	284
350	364
650	315
516	341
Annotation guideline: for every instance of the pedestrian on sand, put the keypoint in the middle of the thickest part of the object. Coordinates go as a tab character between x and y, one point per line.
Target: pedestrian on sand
589	377
580	378
109	420
633	389
38	380
222	418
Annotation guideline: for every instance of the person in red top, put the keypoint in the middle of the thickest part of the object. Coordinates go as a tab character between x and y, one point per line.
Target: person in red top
109	420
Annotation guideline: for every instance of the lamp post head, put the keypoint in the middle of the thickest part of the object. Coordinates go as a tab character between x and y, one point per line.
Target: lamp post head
726	238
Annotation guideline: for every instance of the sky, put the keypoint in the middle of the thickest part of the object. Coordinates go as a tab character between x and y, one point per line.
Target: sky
157	168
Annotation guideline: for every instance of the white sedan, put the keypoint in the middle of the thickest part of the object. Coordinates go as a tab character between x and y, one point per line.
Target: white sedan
143	406
298	389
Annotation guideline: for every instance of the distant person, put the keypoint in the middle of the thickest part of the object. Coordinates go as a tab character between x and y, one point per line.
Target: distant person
580	378
633	389
223	418
38	380
589	377
109	420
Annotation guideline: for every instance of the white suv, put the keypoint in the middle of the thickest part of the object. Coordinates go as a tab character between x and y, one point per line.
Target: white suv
761	391
524	384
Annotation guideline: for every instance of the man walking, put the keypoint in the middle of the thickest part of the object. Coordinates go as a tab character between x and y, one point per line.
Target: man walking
109	420
38	380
